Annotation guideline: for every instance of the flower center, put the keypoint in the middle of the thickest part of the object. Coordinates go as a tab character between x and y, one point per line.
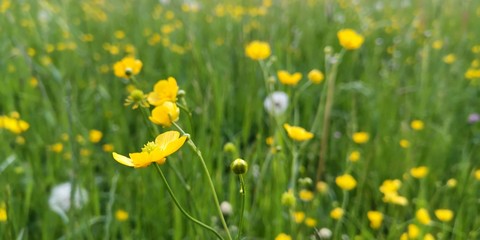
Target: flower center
149	147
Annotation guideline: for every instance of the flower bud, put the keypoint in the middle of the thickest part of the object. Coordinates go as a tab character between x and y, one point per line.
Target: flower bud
181	93
239	166
229	147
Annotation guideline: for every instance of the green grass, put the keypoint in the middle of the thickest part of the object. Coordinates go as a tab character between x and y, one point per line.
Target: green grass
396	76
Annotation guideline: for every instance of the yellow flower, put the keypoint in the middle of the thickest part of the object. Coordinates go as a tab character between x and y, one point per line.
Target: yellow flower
164	90
428	236
354	156
346	182
404	143
283	236
305	195
349	39
437	44
336	213
315	76
127	67
423	217
417	125
322	187
3	213
310	222
477	174
452	182
95	136
108	147
375	218
258	50
298	217
57	147
13	124
165	114
419	172
289	79
137	98
121	215
449	59
394	198
297	133
165	144
413	231
444	215
389	186
360	137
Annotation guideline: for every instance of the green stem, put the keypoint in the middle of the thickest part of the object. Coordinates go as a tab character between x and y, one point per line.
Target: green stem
209	178
339	222
180	207
294	167
242	205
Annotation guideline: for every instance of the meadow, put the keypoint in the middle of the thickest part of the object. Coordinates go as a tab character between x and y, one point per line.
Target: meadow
254	119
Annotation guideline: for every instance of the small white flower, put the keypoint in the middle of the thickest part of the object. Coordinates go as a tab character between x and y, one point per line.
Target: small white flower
59	200
226	208
324	233
276	103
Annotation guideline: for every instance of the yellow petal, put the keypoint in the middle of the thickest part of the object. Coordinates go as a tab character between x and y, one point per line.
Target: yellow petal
154	99
122	159
165	138
140	160
174	146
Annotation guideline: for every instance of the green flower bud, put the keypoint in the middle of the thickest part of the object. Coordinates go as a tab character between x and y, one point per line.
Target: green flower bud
239	166
229	147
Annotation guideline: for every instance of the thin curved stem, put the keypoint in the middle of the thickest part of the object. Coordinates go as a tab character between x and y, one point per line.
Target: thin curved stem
209	178
180	207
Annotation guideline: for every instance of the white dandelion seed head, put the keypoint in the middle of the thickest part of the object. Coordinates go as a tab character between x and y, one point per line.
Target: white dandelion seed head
324	233
276	103
60	199
226	208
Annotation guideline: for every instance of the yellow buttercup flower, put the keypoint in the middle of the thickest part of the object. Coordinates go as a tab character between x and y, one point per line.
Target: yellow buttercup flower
258	50
360	137
389	189
375	218
165	114
108	147
452	182
305	195
95	136
310	222
14	124
297	133
298	217
337	213
419	172
3	213
121	215
165	144
127	67
322	187
346	182
289	78
423	217
417	125
413	231
428	236
404	143
349	39
164	90
315	76
449	59
354	156
283	236
477	174
444	215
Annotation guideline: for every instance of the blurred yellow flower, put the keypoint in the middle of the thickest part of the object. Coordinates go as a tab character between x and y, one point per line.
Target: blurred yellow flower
289	79
346	182
349	39
315	76
310	222
404	143
428	236
57	147
413	231
14	124
322	187
477	174
164	90
417	125
437	44
283	236
336	213
419	172
258	50
354	156
360	137
305	195
127	67
423	217
452	182
288	198
165	144
389	189
297	133
95	135
444	215
449	59
375	218
3	212
165	114
298	217
121	215
108	147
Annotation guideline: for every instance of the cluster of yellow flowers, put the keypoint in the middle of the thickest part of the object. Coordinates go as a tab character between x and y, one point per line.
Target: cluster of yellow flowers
13	123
